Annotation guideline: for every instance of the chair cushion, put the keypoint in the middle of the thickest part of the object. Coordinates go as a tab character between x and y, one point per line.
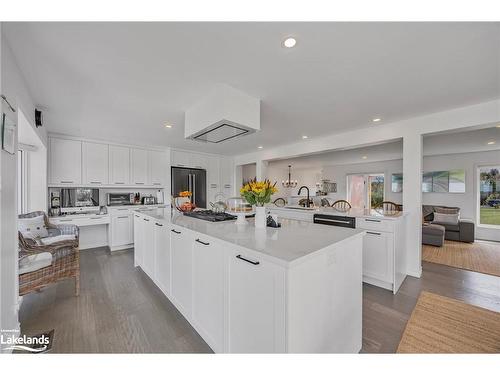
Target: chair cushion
449	227
447	210
446	218
35	262
33	227
59	238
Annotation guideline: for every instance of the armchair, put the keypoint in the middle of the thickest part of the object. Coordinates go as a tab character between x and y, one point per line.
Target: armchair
64	258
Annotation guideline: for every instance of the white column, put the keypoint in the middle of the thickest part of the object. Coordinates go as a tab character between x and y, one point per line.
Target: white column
412	201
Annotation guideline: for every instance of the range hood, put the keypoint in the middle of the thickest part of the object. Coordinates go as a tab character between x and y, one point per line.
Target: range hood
224	114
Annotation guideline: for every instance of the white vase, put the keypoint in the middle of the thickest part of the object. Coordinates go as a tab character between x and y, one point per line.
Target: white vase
260	217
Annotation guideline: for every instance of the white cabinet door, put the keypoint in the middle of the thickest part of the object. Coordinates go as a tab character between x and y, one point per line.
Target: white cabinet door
119	165
158	168
162	257
181	158
65	161
226	178
138	240
181	247
121	229
198	161
95	163
208	291
213	177
253	310
378	255
148	253
139	166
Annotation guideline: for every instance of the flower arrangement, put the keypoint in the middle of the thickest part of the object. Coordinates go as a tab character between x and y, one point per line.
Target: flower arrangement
258	193
185	198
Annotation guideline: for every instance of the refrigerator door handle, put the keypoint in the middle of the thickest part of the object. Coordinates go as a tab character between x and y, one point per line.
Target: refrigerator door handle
194	188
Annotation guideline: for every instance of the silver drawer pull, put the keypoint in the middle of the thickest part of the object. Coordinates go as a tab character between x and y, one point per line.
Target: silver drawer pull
122	217
139	183
119	183
95	218
66	182
373	220
374	233
95	182
156	183
65	219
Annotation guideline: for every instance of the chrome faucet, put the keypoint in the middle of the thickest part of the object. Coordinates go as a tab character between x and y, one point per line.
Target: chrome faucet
300	189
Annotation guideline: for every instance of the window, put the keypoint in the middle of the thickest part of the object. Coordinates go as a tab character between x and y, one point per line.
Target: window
365	190
22	182
489	195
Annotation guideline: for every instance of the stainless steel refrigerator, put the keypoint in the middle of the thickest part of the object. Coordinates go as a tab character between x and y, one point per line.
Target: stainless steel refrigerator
193	180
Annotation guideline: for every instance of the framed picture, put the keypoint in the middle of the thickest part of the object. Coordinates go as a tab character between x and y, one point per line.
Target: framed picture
8	134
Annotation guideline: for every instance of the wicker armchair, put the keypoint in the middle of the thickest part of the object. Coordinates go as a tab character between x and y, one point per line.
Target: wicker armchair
65	257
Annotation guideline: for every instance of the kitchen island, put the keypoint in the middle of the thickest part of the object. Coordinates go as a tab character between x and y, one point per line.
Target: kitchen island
295	289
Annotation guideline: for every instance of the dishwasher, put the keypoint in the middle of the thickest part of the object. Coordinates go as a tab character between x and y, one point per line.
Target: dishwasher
335	220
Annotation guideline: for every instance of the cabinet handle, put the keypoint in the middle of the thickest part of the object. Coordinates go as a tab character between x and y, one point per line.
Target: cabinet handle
145	219
95	182
157	183
374	233
94	218
160	225
173	230
373	220
247	260
65	219
119	183
203	243
227	186
125	217
181	165
139	183
136	215
122	209
66	182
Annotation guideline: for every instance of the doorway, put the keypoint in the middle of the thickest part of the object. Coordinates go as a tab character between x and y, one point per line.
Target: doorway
365	191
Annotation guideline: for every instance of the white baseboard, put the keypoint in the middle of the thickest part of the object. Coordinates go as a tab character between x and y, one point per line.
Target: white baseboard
417	273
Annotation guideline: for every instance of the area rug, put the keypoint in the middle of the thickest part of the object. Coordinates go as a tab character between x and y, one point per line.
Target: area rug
444	325
479	256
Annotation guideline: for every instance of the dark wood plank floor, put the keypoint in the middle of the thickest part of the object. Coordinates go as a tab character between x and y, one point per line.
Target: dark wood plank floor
120	310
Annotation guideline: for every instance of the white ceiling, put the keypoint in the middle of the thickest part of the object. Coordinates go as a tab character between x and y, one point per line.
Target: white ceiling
123	81
440	144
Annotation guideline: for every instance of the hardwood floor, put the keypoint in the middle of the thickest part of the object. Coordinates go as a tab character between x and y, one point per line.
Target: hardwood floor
121	311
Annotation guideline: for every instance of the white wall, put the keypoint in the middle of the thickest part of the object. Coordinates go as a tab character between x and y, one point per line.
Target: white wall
8	210
248	172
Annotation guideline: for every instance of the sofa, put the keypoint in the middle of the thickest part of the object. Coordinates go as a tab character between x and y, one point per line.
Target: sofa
435	232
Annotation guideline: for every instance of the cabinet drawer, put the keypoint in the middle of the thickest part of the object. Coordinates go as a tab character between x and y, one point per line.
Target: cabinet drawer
375	224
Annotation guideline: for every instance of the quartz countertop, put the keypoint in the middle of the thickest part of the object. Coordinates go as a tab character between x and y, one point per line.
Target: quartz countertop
293	241
353	212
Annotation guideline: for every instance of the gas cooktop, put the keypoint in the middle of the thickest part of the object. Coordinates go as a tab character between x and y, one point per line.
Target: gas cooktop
210	215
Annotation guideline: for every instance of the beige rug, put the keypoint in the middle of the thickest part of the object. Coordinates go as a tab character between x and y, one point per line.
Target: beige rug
444	325
479	256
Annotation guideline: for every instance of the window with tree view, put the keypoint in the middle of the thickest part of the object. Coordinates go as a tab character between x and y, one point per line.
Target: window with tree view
489	195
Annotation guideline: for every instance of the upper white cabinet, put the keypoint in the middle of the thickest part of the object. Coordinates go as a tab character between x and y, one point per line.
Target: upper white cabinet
65	161
199	161
158	168
95	163
119	165
227	176
139	166
181	158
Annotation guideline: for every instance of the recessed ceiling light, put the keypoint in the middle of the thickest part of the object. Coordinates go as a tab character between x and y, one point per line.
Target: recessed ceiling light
364	157
168	126
376	119
305	137
289	42
259	147
491	142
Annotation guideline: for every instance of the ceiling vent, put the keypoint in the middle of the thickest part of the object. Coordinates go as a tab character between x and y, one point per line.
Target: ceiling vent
224	114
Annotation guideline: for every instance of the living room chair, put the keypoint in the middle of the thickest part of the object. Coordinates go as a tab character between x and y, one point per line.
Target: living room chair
41	265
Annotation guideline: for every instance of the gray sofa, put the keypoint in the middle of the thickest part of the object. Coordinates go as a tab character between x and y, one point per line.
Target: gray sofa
434	233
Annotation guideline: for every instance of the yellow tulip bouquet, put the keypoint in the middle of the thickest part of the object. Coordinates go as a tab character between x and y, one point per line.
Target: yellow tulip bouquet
258	193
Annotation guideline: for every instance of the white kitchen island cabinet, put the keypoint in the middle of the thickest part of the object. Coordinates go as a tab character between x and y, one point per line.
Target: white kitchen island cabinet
295	289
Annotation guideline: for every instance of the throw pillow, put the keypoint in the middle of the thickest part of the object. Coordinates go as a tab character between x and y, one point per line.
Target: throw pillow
33	227
445	218
446	210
